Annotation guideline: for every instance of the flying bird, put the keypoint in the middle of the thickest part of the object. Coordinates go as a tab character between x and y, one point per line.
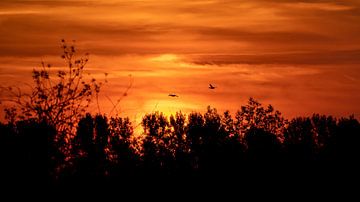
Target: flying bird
173	95
212	87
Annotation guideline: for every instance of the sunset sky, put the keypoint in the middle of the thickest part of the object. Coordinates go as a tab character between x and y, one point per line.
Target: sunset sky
303	57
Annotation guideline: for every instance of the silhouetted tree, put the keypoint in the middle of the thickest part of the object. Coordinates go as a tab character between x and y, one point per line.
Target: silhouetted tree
214	139
195	135
11	157
84	139
102	135
92	148
228	126
122	148
253	115
59	99
300	140
179	142
234	146
262	146
158	154
32	154
84	149
325	129
346	141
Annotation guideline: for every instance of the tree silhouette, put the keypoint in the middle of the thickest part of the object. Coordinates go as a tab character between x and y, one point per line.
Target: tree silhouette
158	154
346	141
122	148
213	141
59	97
180	142
84	148
92	147
262	146
254	115
102	135
324	129
32	154
195	135
300	140
234	146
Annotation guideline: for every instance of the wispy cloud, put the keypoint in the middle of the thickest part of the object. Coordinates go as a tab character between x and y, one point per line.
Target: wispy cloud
305	58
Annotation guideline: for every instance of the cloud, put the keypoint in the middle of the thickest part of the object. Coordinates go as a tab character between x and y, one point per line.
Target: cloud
33	35
148	27
261	37
310	58
45	2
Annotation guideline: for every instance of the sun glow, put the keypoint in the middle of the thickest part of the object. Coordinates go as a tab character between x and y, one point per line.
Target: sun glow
165	58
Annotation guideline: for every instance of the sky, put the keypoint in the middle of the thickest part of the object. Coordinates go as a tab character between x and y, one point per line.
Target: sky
303	57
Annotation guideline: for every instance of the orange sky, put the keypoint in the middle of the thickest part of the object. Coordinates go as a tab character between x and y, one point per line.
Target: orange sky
300	56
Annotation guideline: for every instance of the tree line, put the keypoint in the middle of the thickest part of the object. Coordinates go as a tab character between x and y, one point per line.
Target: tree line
106	148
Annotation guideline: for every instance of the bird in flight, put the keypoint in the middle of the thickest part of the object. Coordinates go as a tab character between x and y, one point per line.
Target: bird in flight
173	95
212	87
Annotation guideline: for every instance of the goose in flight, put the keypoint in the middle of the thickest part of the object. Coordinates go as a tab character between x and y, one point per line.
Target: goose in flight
212	87
173	95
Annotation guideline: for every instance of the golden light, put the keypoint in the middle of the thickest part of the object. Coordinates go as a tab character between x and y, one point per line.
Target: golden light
165	58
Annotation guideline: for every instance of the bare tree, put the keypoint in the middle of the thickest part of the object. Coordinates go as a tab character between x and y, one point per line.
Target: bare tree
58	96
